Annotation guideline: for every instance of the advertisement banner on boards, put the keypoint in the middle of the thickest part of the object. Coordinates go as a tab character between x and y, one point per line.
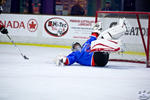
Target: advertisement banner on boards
68	27
20	25
65	27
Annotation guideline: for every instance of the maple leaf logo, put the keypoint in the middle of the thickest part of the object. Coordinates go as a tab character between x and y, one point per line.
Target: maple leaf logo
32	25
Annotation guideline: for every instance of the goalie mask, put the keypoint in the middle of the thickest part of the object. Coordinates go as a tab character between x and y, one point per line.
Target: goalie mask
76	47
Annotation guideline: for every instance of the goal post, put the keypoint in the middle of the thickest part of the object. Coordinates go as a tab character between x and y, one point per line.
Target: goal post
135	43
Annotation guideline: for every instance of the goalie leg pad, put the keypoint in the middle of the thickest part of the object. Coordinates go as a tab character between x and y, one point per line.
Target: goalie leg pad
105	46
115	32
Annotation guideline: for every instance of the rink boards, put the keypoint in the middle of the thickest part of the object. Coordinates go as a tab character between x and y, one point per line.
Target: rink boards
61	31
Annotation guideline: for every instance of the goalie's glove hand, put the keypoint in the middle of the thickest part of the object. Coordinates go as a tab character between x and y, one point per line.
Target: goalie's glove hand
3	30
61	60
97	26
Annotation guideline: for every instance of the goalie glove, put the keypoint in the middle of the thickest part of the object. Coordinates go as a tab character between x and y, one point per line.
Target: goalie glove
97	29
97	26
61	60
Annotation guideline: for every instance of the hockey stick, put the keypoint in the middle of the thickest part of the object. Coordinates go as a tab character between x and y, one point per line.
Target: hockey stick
25	57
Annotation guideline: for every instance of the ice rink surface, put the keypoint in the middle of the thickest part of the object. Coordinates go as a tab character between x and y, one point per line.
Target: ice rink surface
40	79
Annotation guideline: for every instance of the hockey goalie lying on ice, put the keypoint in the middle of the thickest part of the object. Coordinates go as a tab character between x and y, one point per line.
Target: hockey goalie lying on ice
95	51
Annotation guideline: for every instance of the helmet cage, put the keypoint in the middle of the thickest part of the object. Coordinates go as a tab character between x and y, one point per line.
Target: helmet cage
76	46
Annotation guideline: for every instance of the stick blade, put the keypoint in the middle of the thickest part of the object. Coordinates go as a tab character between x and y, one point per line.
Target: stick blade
25	57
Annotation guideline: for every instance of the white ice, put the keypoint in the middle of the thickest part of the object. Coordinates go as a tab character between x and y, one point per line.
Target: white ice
40	79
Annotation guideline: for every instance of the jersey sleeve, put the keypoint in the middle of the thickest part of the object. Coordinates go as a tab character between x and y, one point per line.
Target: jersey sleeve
75	56
92	38
87	44
72	58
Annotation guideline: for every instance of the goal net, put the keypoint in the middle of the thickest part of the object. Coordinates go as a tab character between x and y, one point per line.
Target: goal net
135	41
